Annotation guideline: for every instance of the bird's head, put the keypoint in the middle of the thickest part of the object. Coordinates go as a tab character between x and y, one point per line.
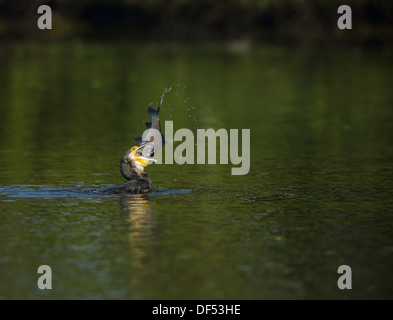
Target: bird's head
134	160
142	154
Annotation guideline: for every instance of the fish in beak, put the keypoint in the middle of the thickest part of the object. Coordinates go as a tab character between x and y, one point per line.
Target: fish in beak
138	154
153	139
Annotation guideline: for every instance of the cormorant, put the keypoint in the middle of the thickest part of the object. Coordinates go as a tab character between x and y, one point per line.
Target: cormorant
132	168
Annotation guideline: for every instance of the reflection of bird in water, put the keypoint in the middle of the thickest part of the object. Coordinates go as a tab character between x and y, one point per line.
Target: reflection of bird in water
136	212
135	159
136	209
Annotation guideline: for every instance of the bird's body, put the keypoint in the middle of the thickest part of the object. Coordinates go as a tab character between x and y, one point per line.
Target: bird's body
134	186
131	169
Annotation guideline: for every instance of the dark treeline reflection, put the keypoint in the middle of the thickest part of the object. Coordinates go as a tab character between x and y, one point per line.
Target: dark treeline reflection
281	21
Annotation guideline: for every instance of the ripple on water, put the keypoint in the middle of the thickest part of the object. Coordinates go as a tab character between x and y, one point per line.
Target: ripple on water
9	193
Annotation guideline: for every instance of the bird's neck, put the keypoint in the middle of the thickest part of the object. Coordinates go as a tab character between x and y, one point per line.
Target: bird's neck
132	171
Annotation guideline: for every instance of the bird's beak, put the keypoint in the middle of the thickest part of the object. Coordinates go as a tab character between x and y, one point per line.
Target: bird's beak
144	161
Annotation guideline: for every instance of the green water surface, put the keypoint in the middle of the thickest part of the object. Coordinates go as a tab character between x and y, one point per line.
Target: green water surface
318	194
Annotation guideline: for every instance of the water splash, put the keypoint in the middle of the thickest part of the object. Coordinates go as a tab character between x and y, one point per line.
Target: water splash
169	89
179	92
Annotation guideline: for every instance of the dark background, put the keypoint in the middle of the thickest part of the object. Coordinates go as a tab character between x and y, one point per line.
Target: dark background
280	22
